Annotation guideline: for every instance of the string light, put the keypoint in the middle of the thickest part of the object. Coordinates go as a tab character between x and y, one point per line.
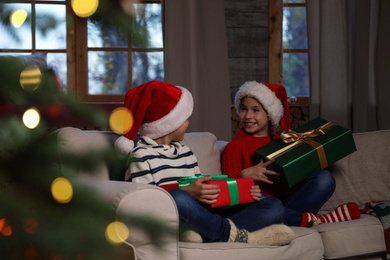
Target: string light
62	190
84	8
116	232
30	226
121	120
5	228
18	17
31	254
31	118
30	78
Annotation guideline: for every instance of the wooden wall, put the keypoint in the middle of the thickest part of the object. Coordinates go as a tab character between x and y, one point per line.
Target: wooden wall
247	36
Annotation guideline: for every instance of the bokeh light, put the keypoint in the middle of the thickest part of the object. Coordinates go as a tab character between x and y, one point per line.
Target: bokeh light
84	8
30	78
2	223
18	17
30	226
121	120
31	254
116	232
5	228
62	190
31	118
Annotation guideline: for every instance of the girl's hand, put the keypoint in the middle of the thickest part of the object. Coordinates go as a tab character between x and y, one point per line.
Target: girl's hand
204	193
255	192
259	172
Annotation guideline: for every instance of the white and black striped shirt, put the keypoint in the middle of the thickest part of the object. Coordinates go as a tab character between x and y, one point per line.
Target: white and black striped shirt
157	164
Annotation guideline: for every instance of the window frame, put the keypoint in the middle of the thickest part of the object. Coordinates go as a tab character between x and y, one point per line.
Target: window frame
275	45
77	52
78	59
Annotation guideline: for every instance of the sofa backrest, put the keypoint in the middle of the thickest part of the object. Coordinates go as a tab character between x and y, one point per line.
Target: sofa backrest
364	175
207	150
76	141
204	145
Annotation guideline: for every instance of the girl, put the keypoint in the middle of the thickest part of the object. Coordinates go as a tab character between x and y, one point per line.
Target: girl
262	108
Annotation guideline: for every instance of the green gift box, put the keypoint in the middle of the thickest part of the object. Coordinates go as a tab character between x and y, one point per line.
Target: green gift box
309	148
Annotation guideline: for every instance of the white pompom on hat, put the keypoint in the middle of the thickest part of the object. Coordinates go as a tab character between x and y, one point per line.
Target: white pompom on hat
272	97
158	108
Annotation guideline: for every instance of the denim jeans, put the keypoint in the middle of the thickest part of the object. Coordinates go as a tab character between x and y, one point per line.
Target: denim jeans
310	197
213	224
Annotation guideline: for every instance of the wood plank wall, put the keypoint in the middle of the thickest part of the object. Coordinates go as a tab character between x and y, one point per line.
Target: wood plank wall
247	36
248	53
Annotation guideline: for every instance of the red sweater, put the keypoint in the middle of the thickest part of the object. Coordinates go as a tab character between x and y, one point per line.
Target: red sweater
239	155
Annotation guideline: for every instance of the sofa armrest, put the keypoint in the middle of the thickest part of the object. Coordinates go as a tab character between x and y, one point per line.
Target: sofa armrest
134	199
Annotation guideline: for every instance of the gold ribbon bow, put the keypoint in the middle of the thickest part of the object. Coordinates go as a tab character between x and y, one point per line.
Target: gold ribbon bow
296	138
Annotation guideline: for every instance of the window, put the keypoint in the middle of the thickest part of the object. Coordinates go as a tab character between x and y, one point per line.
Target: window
295	54
95	59
288	46
32	27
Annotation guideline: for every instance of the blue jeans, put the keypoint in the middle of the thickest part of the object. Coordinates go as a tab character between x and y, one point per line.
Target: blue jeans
310	197
213	225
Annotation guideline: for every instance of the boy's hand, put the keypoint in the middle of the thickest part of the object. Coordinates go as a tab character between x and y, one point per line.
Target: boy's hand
259	172
204	193
256	192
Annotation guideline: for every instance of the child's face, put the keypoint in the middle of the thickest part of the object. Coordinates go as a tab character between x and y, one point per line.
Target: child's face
178	134
253	117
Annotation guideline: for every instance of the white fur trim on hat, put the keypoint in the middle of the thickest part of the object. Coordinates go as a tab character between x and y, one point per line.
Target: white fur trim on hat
173	120
265	96
124	146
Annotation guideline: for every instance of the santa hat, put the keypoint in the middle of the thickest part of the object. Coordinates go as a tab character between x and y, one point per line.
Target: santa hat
158	109
272	97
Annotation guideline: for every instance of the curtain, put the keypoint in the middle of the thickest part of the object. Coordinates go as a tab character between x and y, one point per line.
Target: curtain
196	58
349	62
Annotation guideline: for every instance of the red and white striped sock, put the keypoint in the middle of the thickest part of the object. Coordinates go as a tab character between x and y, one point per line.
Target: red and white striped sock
345	212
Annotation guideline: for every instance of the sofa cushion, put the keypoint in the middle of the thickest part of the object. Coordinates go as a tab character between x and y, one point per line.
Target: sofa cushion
204	146
352	238
307	244
364	175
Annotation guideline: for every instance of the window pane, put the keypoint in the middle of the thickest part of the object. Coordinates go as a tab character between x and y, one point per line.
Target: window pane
147	66
51	26
294	28
104	35
148	17
57	61
296	74
293	1
107	73
15	37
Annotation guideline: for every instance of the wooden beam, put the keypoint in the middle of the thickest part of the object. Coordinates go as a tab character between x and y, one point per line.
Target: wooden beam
275	57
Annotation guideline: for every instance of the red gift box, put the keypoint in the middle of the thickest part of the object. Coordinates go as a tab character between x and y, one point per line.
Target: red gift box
233	191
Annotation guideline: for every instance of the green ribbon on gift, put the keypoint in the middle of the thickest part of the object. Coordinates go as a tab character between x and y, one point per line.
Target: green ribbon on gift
232	185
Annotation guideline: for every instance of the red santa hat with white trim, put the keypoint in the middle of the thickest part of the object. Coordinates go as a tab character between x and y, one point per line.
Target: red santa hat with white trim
272	97
158	109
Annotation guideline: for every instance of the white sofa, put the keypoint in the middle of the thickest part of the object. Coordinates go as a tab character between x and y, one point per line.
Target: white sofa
360	177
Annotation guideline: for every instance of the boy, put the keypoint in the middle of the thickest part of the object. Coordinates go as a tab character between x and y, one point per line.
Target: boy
161	113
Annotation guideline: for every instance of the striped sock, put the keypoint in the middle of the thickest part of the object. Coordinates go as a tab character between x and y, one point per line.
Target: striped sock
345	212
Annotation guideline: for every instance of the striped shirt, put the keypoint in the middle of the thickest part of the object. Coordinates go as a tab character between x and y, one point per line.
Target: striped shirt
157	164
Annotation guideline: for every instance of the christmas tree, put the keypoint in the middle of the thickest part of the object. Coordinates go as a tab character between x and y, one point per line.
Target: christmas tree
46	213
